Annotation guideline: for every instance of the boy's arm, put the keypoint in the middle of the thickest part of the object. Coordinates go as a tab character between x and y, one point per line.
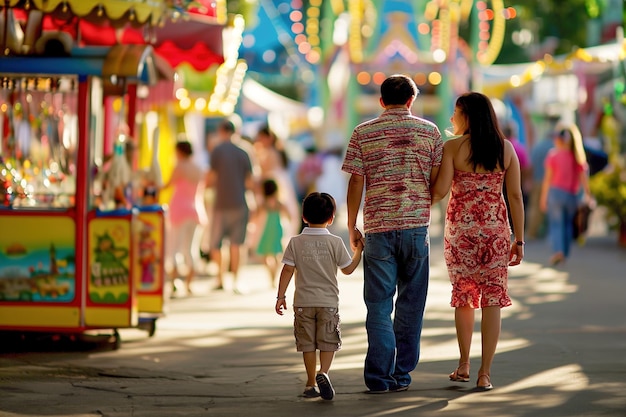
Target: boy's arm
285	278
356	258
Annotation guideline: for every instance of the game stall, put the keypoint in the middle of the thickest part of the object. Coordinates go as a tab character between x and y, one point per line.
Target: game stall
78	250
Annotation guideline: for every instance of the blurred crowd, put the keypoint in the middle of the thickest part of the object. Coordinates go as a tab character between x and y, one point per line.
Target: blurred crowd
246	205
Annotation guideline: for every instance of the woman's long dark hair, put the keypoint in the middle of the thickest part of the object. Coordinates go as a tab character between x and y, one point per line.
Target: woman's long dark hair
485	137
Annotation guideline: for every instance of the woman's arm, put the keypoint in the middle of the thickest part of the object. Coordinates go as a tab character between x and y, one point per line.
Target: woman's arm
584	183
445	174
173	177
513	180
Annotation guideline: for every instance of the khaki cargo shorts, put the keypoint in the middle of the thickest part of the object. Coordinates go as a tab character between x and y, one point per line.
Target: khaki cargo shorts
317	328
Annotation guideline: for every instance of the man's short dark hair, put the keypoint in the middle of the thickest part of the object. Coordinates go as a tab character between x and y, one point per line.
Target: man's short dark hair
227	126
318	208
398	89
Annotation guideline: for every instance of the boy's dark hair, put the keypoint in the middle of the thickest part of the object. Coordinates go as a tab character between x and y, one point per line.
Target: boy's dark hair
269	188
184	147
398	89
318	208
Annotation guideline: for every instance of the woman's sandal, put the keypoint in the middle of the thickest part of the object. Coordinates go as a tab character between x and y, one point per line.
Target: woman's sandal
487	387
458	377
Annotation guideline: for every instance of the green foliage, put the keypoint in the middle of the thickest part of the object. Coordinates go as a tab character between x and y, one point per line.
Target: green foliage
565	20
512	53
246	8
609	189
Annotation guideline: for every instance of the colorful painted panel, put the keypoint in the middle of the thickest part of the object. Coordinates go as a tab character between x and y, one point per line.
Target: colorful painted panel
149	261
109	261
37	259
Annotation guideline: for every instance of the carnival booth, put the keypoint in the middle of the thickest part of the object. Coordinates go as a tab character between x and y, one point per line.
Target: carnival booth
75	252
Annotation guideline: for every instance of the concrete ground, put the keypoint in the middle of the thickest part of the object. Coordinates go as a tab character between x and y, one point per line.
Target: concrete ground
562	353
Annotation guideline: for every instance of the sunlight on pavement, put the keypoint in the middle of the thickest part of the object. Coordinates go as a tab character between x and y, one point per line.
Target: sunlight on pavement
569	378
559	383
392	411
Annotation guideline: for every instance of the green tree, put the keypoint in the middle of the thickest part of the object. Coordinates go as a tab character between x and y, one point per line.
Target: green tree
246	8
563	21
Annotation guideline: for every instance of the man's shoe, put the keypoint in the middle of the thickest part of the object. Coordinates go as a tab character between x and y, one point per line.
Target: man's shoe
382	391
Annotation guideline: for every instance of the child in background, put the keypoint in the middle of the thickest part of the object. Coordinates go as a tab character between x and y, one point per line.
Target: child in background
270	244
315	255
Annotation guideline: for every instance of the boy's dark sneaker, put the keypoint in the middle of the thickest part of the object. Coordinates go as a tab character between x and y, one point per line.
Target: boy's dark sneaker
327	391
310	392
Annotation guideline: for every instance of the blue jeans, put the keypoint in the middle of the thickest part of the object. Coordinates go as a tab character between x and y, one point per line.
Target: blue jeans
396	260
561	211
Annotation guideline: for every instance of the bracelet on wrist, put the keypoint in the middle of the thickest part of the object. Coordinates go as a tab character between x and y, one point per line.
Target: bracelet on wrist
281	298
520	242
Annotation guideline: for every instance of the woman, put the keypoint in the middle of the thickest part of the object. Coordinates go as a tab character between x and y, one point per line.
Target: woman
477	237
566	173
273	163
186	210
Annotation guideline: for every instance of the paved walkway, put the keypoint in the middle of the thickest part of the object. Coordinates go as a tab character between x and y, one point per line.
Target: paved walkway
562	353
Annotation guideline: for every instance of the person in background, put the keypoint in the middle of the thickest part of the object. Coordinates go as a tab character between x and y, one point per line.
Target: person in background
566	174
230	175
186	211
509	132
537	224
270	243
314	256
394	158
477	237
272	161
309	170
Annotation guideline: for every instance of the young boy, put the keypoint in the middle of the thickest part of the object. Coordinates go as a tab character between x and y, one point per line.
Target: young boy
315	254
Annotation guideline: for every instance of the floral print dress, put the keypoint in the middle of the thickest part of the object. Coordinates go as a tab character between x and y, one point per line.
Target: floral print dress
477	240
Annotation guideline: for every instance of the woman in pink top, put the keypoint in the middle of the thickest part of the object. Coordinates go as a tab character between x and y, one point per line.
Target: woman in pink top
186	210
566	173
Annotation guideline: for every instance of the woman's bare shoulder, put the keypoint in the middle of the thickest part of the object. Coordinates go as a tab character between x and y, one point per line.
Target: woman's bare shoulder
455	143
509	153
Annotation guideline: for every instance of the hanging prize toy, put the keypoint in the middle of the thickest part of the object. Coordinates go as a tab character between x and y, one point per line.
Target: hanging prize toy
154	178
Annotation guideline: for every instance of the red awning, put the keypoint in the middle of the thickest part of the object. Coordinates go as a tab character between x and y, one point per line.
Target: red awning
190	38
194	39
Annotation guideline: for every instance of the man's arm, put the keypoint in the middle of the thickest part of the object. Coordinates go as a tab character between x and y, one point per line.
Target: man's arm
355	194
210	178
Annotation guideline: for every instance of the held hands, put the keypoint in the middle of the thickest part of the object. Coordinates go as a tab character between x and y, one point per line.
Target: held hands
356	240
516	255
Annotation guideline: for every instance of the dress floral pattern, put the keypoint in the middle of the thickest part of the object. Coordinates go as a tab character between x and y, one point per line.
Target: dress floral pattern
477	240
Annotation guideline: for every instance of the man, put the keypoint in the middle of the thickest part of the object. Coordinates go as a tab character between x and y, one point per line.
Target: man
396	157
231	176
